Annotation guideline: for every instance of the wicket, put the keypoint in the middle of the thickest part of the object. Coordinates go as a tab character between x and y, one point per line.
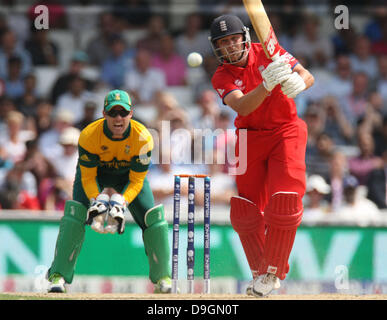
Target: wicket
191	232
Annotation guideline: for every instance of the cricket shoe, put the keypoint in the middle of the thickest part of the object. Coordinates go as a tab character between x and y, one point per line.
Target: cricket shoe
249	289
164	285
57	283
265	284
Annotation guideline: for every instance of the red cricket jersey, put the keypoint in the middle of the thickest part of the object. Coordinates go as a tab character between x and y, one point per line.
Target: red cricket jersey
275	110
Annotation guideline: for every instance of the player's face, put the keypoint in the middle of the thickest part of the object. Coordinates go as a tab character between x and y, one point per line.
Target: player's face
118	120
231	47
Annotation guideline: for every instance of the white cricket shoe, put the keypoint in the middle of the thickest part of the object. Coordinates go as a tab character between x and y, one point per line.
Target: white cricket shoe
57	283
265	284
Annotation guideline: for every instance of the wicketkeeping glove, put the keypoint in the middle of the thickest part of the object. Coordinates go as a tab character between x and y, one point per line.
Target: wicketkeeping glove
96	214
293	86
116	215
276	72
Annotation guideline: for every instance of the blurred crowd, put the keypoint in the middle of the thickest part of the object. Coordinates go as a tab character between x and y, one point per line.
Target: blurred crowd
345	110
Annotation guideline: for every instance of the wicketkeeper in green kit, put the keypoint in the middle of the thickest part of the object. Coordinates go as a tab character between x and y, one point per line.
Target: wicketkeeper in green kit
114	152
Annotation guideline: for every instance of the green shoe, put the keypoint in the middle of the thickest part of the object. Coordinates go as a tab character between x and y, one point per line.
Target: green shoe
57	283
164	285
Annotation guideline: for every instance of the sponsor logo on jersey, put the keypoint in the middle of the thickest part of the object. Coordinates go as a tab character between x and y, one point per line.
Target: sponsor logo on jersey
239	84
127	149
84	157
104	148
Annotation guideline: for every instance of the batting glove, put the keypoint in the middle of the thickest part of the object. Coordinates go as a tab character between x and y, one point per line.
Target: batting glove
97	212
116	216
293	86
275	73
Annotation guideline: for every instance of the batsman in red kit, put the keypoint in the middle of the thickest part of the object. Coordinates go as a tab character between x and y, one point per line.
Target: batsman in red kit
269	208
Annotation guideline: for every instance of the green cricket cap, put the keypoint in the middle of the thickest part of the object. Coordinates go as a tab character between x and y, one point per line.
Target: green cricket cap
117	98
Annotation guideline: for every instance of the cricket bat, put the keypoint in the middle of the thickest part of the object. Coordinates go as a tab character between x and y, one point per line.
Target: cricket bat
262	27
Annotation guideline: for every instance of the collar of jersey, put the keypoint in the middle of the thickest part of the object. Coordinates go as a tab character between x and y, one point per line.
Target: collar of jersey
109	134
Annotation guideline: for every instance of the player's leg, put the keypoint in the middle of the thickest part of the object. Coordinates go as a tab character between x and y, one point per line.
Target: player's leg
246	210
155	236
283	213
70	239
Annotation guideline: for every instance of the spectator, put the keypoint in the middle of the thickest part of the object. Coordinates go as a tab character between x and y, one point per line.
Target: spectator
343	40
18	189
167	109
361	165
119	62
209	110
173	66
132	14
373	29
373	116
75	98
9	47
309	43
78	63
362	59
314	119
65	162
98	49
338	171
88	115
26	104
49	140
380	47
43	117
335	123
40	167
43	51
14	142
377	183
156	28
193	39
356	208
143	81
14	86
355	104
380	137
6	105
316	190
318	157
341	83
381	82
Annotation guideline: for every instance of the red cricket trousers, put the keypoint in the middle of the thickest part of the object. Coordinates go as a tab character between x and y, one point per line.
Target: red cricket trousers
275	162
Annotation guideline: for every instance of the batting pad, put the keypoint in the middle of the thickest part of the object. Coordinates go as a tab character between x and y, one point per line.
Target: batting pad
248	222
283	215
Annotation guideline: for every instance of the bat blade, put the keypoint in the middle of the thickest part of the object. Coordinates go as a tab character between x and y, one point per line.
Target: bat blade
262	27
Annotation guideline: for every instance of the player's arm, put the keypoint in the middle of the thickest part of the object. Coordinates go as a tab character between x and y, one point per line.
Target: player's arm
246	103
88	163
138	170
305	75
